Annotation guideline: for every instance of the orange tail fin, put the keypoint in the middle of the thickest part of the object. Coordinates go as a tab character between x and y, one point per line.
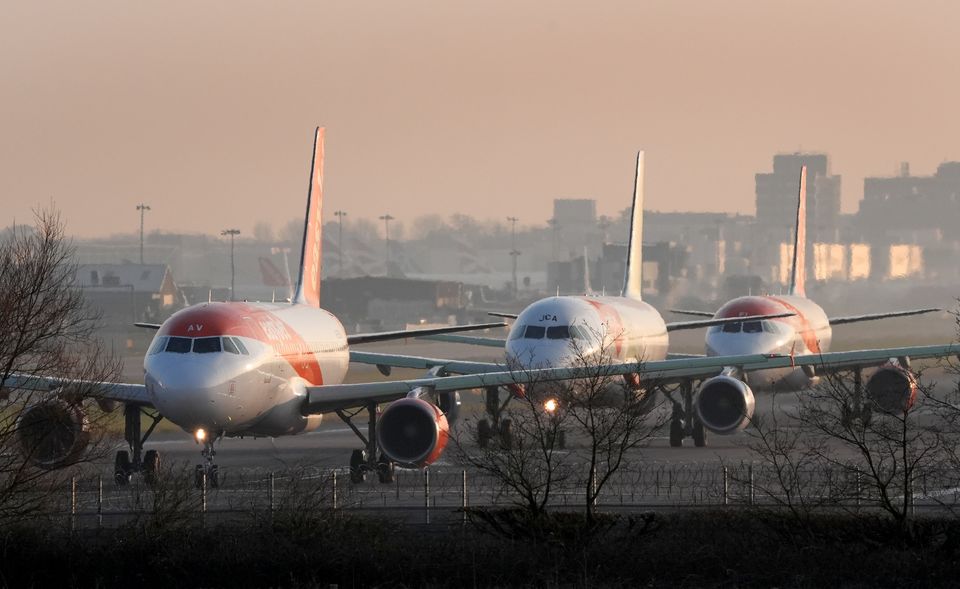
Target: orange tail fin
798	277
311	256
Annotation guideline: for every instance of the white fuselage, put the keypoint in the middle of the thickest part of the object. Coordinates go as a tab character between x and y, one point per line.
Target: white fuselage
566	331
242	368
807	332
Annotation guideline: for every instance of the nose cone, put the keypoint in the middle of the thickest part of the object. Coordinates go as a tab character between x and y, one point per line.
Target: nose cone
195	390
740	344
543	353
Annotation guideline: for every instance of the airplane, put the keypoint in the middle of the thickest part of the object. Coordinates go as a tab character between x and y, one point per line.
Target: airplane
724	403
225	368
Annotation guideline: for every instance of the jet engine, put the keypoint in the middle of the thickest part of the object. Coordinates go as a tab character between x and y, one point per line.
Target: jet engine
53	433
725	404
412	432
892	389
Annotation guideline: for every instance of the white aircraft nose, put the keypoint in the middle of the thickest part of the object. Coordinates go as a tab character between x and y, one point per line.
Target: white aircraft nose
527	354
738	344
192	392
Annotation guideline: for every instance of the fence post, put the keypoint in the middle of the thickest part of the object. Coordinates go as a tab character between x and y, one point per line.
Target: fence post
426	494
859	488
463	498
750	476
273	495
203	498
726	487
335	506
73	503
100	501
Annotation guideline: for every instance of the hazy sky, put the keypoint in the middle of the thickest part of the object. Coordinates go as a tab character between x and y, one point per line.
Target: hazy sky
205	110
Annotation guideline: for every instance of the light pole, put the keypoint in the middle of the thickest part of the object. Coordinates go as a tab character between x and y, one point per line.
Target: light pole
514	252
142	208
232	233
386	230
340	215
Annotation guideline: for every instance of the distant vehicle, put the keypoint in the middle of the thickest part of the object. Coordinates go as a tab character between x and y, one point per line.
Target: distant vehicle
724	404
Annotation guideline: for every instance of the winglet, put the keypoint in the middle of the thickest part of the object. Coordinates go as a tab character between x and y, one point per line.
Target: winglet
308	282
799	272
632	281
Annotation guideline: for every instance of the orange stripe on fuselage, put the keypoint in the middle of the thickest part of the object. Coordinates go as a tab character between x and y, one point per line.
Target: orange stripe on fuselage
807	333
245	320
612	320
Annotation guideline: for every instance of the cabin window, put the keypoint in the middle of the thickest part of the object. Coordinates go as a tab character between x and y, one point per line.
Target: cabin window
206	345
534	332
178	345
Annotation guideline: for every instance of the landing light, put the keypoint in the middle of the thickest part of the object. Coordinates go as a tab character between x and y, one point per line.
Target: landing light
200	435
551	405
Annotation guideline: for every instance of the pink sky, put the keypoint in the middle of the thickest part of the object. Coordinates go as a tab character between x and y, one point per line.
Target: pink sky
205	110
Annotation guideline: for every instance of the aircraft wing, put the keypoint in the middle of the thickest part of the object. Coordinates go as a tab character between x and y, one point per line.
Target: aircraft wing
875	316
493	342
837	361
504	315
116	391
146	325
722	321
694	313
365	338
322	399
384	362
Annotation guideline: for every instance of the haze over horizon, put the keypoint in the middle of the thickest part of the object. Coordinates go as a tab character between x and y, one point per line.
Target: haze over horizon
205	111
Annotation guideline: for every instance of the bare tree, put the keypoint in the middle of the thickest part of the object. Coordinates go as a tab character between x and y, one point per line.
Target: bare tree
613	413
46	330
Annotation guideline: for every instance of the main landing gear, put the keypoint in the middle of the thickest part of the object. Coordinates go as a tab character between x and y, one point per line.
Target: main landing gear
857	409
496	427
366	461
684	421
146	463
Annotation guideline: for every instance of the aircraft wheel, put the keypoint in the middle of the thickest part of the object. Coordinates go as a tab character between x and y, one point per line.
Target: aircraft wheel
506	434
484	433
385	471
699	434
122	468
151	467
676	433
846	415
358	461
198	476
213	477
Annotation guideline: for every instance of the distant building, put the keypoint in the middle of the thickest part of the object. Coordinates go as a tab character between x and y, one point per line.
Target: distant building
924	210
777	194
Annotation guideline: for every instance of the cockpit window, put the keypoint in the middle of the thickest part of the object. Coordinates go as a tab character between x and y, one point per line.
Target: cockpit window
577	332
229	346
240	346
771	327
534	332
752	327
732	327
206	345
178	345
158	345
558	332
517	332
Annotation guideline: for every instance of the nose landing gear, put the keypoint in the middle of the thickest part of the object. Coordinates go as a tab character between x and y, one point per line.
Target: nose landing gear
207	474
684	421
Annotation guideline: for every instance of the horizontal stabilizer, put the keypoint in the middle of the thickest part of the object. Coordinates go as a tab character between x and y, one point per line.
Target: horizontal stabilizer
382	336
147	325
504	315
875	316
723	321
